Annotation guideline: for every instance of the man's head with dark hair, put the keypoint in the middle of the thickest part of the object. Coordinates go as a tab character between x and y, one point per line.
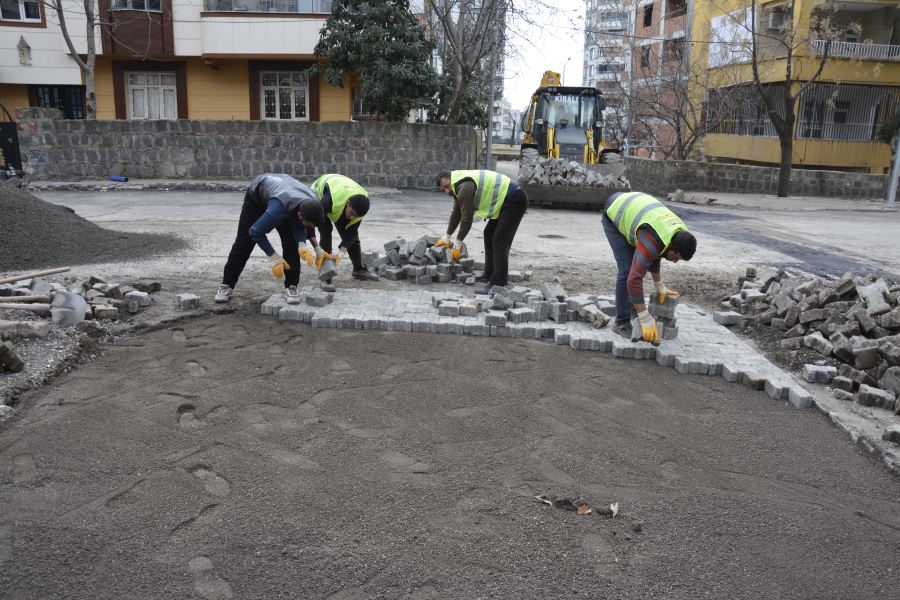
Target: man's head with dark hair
443	182
682	246
360	205
311	213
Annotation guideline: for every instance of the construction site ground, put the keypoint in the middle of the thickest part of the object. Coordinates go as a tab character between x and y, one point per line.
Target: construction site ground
227	455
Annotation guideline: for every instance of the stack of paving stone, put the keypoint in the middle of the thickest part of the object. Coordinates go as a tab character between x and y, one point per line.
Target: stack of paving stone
101	299
421	263
852	321
535	169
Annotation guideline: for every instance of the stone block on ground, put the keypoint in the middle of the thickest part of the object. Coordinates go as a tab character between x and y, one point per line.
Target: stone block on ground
593	315
818	343
553	291
319	299
890	381
799	398
496	318
728	318
842	395
875	297
183	301
860	377
818	374
873	396
521	315
147	285
866	353
448	309
107	312
844	383
143	298
891	434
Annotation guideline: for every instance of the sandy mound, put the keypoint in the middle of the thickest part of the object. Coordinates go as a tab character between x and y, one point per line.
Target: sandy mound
35	234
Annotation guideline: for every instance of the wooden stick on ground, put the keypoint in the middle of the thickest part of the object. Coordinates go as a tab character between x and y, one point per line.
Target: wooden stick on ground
7	299
37	308
35	274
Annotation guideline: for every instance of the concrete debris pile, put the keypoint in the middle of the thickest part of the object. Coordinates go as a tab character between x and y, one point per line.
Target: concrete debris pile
852	321
421	263
535	169
65	304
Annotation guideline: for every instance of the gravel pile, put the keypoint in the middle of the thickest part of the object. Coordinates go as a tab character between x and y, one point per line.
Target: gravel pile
852	322
35	234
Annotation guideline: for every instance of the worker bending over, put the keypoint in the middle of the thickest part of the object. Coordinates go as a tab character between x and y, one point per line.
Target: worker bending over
344	203
641	231
495	198
280	202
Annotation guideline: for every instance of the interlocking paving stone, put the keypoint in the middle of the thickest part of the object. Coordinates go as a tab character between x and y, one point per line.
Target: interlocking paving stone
702	345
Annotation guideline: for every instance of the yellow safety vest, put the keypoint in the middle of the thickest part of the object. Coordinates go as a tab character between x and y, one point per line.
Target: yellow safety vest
631	210
490	190
341	188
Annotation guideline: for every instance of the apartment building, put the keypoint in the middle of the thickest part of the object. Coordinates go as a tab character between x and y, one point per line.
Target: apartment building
839	116
167	59
505	128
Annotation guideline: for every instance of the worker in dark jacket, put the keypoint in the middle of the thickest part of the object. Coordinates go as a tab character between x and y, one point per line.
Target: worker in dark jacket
344	203
641	231
495	198
280	202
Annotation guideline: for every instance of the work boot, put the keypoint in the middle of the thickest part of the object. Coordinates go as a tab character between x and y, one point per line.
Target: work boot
365	275
292	294
327	286
486	290
224	293
623	329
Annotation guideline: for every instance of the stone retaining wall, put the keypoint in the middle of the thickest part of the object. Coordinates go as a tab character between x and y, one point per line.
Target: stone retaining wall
382	154
663	176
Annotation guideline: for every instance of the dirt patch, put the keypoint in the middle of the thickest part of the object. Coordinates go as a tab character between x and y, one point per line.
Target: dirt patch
413	472
35	234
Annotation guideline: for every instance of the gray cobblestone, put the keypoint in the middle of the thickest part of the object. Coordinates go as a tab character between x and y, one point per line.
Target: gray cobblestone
818	374
184	302
728	318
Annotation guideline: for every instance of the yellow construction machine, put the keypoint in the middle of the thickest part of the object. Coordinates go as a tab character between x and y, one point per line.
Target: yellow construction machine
567	122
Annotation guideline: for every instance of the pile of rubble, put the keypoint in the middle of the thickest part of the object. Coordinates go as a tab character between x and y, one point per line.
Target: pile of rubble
29	305
421	263
854	322
535	169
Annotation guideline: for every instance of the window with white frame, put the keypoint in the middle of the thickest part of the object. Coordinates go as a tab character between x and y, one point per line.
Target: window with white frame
146	5
28	11
285	95
152	95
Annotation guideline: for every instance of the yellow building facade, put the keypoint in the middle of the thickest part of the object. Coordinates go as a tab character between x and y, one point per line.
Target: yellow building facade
838	115
180	59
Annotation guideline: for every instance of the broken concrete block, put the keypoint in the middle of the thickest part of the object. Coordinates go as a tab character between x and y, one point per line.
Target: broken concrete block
860	377
866	353
874	295
319	299
872	396
818	374
183	301
890	381
593	315
727	318
891	320
842	395
108	312
818	343
816	314
891	434
844	383
553	291
146	285
142	298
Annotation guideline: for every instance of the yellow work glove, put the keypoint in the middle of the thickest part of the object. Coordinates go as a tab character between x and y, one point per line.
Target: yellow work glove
663	291
307	255
338	257
444	242
458	249
278	265
648	327
321	255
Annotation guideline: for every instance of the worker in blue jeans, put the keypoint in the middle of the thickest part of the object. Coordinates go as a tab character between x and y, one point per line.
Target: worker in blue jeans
641	231
280	202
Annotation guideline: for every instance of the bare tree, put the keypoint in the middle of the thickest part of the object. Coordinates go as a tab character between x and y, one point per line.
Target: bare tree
88	63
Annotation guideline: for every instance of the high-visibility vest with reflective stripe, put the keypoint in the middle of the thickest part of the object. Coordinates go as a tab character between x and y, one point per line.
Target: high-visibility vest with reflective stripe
490	190
631	210
341	188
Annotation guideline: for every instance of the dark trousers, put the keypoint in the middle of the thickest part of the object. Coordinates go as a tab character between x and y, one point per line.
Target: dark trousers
623	252
354	251
243	246
498	237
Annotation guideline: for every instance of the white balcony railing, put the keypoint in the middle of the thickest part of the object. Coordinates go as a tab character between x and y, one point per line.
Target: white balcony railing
858	50
279	6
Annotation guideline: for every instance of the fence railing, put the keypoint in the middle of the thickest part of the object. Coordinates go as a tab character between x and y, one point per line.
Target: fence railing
858	50
279	6
837	131
760	127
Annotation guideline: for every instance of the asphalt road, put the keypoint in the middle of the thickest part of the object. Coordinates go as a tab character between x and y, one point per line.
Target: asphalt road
237	457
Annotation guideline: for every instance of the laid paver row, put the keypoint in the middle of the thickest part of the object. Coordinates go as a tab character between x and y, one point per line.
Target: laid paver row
702	347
